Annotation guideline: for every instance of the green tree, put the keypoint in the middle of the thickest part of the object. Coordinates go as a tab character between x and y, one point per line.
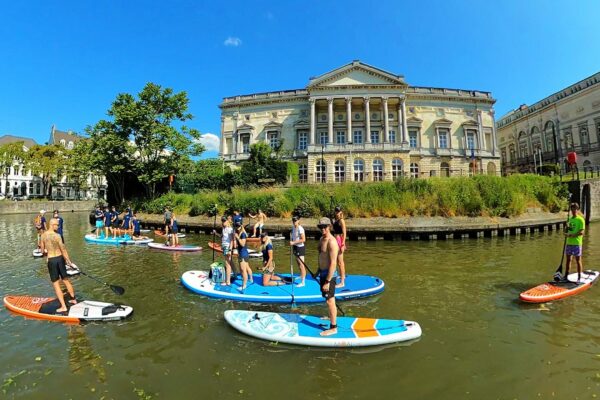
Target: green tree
78	165
11	154
263	164
202	174
161	148
47	161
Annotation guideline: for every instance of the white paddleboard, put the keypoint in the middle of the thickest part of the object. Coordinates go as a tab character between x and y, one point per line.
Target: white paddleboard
306	330
181	247
37	253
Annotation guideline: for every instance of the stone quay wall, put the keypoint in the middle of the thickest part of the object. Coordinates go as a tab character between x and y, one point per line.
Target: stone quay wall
34	206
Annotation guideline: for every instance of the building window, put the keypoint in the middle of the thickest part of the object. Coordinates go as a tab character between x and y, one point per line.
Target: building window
246	144
396	168
444	169
340	137
38	188
302	140
340	171
583	135
471	140
374	136
358	136
511	152
273	139
414	170
503	156
443	138
412	138
323	137
377	170
302	173
359	170
30	188
392	136
63	142
321	171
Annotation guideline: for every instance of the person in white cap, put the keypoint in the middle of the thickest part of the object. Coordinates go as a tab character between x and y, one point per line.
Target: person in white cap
328	253
40	226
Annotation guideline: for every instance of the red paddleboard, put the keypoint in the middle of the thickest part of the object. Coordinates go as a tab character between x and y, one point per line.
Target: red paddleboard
558	290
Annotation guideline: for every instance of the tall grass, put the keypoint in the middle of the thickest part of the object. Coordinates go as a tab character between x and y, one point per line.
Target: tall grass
460	196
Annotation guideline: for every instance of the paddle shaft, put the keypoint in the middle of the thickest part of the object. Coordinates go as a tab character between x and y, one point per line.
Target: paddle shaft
562	257
117	289
315	278
214	232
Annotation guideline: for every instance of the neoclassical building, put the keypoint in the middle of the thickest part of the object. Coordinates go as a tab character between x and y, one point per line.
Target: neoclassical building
544	132
360	123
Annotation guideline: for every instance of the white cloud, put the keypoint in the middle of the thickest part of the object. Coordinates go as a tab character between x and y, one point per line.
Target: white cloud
233	41
210	141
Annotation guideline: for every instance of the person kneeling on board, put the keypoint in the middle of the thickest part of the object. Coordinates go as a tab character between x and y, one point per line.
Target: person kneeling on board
55	250
328	254
268	268
137	234
574	234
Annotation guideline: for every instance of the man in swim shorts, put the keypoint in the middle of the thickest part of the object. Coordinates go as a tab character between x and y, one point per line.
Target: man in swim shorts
574	234
328	252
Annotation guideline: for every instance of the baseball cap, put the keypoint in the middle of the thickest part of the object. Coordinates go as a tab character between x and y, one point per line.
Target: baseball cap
42	211
338	209
295	218
324	221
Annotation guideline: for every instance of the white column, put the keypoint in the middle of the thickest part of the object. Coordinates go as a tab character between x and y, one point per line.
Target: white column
404	125
386	124
222	135
313	121
234	138
480	141
493	133
349	119
367	121
330	120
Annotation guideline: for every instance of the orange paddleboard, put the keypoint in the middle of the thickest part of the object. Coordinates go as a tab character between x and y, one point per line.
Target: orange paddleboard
557	290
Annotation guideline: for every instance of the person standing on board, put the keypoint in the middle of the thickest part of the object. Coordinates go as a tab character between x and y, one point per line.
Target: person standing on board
226	247
237	218
107	220
268	269
297	240
55	250
260	217
99	216
574	234
60	224
240	236
339	229
40	226
167	221
114	222
174	229
328	255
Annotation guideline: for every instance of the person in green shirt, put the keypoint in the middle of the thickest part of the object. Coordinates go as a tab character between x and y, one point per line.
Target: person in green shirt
574	234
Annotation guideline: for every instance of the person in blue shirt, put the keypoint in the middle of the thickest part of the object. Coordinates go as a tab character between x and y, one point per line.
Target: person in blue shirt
135	225
107	221
126	224
269	277
240	236
99	216
174	229
238	218
114	222
60	224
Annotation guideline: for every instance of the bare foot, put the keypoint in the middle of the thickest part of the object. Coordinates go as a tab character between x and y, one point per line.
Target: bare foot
61	310
301	284
329	332
72	301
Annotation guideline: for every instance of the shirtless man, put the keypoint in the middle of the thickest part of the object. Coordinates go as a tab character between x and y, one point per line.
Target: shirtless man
328	252
260	217
55	250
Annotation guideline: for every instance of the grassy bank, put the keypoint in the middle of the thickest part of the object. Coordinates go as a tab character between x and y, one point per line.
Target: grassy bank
461	196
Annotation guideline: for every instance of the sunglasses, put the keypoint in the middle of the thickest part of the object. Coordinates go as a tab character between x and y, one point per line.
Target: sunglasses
322	226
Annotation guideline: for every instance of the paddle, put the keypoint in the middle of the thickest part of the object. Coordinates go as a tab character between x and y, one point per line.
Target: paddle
315	278
292	274
214	210
559	270
117	289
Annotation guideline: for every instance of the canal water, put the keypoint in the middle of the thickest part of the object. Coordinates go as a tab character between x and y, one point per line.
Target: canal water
478	340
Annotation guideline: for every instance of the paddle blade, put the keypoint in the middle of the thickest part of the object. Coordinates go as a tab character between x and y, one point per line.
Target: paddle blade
117	289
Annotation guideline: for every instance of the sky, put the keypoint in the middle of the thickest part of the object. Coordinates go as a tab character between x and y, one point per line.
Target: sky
62	63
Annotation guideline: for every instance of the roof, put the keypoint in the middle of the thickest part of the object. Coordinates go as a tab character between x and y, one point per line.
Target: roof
56	136
5	139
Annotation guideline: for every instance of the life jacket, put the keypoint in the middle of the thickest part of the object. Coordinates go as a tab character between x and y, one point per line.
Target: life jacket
38	222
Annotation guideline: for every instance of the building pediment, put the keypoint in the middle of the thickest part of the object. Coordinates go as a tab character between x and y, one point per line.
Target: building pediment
245	127
273	125
469	122
442	122
356	74
301	123
414	121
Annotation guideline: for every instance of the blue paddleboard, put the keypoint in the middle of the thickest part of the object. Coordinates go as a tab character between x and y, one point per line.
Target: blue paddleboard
90	237
356	286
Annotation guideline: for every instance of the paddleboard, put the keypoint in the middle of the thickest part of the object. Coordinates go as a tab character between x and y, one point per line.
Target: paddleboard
72	270
90	237
305	330
356	286
145	231
161	233
38	253
86	310
557	290
257	239
251	253
181	247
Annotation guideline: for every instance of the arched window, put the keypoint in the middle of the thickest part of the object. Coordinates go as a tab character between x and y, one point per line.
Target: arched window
396	168
549	135
414	170
302	173
444	169
63	142
340	171
321	172
377	169
359	170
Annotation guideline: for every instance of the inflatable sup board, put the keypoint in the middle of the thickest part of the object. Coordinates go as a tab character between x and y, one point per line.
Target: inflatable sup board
305	330
72	270
181	247
38	253
161	233
85	310
557	290
356	286
90	237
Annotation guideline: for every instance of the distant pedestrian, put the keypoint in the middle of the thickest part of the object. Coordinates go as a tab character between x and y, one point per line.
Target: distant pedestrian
60	220
260	217
574	234
339	230
297	240
40	225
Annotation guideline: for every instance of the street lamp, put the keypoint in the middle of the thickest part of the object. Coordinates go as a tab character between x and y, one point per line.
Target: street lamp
322	163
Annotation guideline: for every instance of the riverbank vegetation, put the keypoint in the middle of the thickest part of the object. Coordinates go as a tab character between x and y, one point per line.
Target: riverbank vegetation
461	196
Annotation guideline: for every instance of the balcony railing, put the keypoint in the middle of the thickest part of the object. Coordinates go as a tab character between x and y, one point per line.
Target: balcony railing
347	147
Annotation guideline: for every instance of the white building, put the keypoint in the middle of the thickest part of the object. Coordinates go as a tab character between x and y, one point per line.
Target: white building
360	123
17	180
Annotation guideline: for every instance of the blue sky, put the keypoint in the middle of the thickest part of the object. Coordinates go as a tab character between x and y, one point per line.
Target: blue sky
63	62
